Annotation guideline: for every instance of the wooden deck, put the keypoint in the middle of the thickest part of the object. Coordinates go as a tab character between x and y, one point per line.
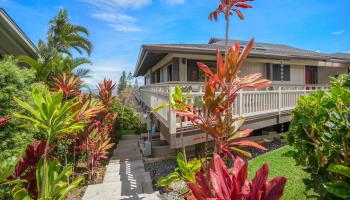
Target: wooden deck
261	108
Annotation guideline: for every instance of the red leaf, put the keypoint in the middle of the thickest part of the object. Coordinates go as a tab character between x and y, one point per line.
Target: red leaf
245	52
204	68
248	143
185	113
243	5
274	188
259	181
258	84
249	78
198	192
240	134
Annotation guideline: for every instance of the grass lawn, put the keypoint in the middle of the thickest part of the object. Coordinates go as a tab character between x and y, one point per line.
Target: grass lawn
281	165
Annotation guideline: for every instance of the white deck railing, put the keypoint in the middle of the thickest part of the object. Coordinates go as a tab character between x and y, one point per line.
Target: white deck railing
274	99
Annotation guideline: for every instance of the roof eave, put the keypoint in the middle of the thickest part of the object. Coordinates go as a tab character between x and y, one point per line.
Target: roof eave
26	42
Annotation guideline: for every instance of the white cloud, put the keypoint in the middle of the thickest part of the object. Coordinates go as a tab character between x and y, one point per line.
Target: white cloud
338	32
172	2
110	69
119	3
125	28
113	17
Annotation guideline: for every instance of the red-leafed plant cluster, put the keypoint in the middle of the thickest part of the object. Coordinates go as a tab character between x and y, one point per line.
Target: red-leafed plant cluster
105	90
219	183
26	168
69	84
95	140
220	94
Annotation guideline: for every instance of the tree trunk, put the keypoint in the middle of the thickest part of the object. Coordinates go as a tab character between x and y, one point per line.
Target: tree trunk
227	26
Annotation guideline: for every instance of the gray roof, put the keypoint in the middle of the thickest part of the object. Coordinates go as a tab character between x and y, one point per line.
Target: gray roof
342	55
150	53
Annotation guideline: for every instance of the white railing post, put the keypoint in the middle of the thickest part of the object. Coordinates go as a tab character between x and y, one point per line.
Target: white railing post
171	115
240	103
279	100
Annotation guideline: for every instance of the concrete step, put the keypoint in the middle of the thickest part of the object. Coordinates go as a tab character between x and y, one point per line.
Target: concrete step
110	191
147	184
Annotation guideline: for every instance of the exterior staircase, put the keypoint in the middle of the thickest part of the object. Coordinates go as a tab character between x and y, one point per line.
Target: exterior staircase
125	176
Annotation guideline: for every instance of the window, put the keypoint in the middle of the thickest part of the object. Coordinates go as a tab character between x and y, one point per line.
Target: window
170	72
158	75
194	73
278	72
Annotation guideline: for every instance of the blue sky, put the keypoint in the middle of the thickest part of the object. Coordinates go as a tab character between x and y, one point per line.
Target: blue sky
119	27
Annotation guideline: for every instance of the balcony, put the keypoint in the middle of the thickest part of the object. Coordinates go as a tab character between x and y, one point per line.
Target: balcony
261	108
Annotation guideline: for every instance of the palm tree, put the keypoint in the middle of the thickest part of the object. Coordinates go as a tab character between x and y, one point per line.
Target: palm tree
227	7
62	35
51	63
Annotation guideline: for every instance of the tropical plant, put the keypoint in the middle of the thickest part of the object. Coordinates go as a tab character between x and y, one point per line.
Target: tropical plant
339	188
69	84
221	183
96	146
52	117
56	187
227	7
220	93
319	133
27	165
105	92
185	171
63	35
7	166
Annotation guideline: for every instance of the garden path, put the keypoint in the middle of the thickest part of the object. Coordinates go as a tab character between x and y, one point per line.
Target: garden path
125	176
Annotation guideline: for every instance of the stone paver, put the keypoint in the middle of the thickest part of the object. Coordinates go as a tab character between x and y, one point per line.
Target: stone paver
125	176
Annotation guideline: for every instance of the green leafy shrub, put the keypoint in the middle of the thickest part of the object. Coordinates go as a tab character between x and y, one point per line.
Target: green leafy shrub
186	171
320	131
127	118
14	81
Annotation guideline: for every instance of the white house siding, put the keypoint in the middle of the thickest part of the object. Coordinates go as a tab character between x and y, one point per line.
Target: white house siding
325	72
253	67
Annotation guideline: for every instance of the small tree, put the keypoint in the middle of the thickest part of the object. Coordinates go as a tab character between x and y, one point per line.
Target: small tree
122	82
52	117
227	7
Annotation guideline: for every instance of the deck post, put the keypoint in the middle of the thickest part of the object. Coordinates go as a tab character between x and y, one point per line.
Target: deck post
279	103
240	103
171	115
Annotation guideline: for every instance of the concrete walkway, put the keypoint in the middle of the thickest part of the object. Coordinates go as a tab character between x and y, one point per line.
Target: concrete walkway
125	176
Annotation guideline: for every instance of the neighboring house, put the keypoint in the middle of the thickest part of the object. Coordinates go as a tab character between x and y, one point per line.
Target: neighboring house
294	72
13	41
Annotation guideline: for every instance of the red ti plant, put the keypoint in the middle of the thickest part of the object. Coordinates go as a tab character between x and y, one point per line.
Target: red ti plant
105	92
219	183
27	165
96	146
69	84
220	93
227	7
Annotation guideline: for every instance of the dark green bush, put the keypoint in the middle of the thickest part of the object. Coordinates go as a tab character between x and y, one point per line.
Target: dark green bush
14	81
320	133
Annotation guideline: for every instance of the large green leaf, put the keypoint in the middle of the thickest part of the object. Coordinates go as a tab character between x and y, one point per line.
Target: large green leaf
338	188
340	169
